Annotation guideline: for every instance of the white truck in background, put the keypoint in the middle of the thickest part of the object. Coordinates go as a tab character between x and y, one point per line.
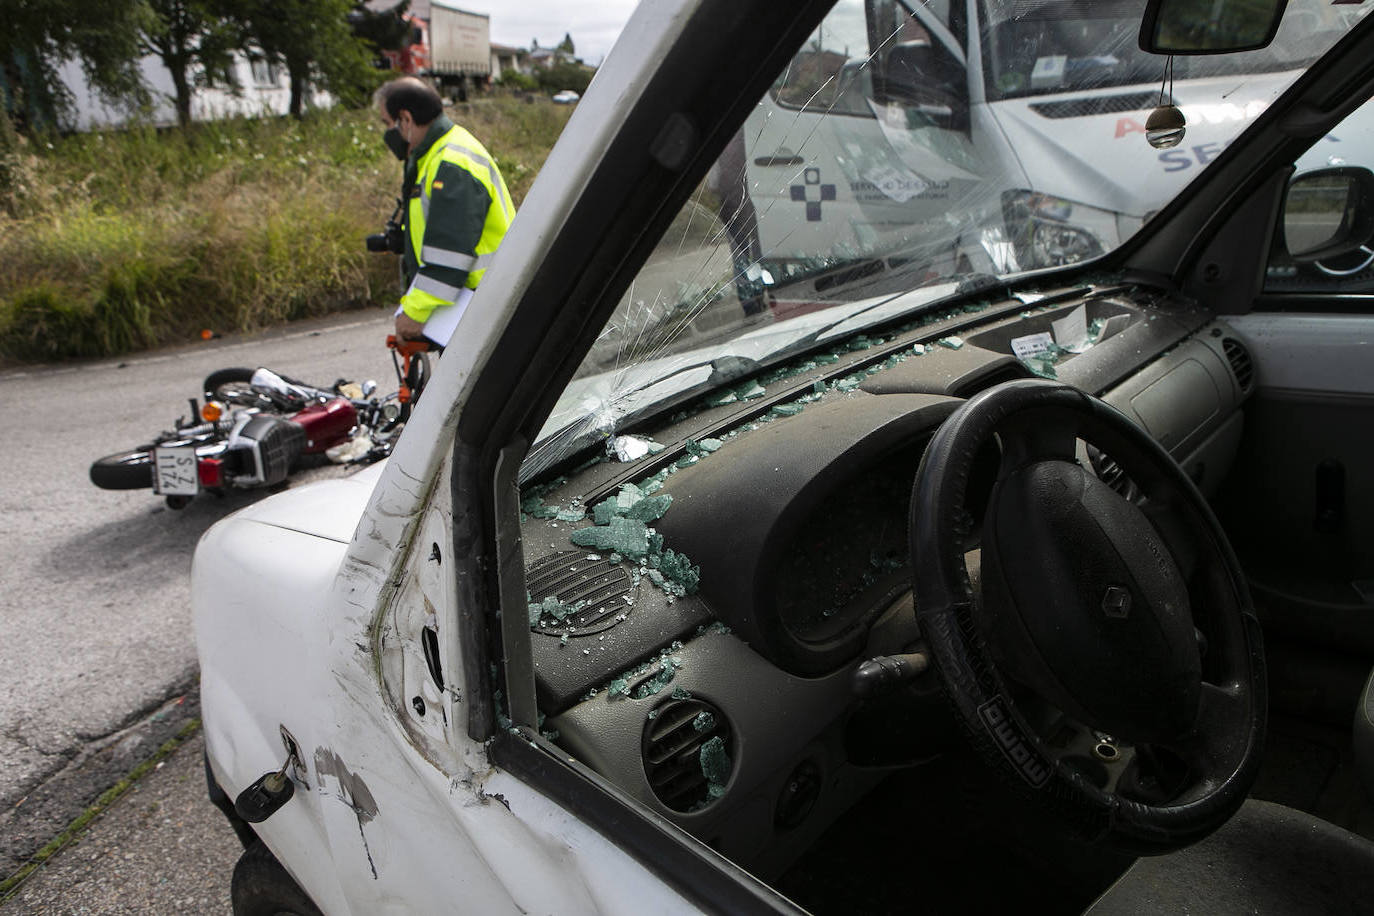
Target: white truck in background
459	47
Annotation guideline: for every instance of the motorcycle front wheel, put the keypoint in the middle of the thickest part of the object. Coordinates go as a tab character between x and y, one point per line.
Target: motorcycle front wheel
234	382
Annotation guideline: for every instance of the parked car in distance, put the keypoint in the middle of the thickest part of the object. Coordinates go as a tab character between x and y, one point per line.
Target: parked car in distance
565	97
707	577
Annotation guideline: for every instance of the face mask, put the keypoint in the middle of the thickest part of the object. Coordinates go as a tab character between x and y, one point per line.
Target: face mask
396	143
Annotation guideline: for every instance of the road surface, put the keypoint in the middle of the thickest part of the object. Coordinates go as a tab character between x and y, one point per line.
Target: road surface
160	849
95	632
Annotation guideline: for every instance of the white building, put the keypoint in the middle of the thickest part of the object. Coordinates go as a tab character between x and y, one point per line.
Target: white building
263	89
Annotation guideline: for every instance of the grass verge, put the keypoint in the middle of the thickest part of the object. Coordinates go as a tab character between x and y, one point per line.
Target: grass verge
117	241
107	798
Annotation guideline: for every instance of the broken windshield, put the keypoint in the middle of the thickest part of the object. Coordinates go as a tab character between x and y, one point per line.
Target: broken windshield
1067	45
878	175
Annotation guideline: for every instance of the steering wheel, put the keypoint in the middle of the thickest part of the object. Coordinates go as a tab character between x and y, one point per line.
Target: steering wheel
1109	661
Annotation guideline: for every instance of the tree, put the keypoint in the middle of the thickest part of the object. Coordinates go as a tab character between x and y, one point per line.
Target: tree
314	41
386	30
196	41
514	79
39	35
563	75
566	44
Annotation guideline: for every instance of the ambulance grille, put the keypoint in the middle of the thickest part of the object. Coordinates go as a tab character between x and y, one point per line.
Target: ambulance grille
1099	104
599	588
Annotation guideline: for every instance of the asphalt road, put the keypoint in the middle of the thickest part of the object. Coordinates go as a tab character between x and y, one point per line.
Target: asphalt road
95	630
161	848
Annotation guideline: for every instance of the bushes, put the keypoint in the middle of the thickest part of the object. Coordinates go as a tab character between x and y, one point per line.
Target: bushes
565	76
135	239
514	79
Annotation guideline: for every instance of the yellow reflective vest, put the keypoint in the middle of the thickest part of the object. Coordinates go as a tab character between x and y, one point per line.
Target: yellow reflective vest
457	211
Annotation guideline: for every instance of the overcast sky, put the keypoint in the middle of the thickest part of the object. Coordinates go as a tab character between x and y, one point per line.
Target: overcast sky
593	24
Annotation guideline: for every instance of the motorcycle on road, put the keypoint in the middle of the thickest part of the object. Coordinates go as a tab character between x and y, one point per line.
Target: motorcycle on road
256	426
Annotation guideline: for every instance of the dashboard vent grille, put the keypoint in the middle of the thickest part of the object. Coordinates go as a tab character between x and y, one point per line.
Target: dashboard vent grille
599	589
686	766
1239	358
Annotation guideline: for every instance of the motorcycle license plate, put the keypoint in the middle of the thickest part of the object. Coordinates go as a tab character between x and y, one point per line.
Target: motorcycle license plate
174	471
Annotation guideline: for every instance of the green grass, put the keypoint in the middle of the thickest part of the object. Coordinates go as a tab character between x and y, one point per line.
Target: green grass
119	241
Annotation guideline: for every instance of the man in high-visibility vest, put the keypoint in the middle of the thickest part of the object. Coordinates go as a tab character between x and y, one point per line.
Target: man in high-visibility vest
455	208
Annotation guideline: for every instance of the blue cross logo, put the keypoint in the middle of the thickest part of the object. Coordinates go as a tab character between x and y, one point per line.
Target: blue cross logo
804	192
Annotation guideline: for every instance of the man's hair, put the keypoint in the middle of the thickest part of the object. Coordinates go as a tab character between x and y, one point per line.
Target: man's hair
410	94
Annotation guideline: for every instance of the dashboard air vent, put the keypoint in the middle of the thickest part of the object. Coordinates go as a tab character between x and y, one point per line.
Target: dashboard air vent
597	588
688	754
1239	358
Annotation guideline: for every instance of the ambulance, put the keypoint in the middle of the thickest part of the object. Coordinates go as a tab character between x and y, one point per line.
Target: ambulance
1012	128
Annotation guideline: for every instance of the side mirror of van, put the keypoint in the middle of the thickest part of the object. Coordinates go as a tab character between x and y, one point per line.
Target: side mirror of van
923	75
1209	26
1328	213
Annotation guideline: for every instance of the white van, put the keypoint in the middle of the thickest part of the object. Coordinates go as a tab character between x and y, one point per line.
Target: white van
896	115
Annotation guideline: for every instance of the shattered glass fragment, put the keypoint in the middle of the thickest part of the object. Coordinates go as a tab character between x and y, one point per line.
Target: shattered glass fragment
626	536
687	461
952	342
680	694
534	506
703	448
651	485
715	765
704	721
631	448
861	342
650	508
629	495
849	382
786	410
572	514
750	390
654	684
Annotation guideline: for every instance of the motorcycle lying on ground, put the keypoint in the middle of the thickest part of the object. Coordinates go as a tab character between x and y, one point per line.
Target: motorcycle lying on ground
256	426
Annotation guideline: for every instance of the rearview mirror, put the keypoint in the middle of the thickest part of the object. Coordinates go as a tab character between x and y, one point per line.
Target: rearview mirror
1188	27
1328	213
